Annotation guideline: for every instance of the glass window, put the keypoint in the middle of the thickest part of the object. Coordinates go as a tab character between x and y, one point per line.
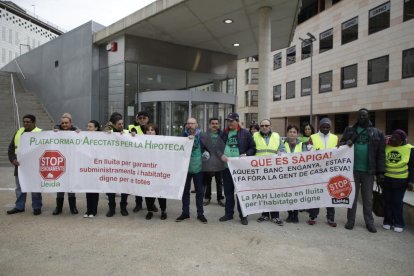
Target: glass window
306	49
277	61
291	55
378	70
350	30
325	82
379	18
305	87
408	63
252	76
251	98
349	76
341	122
251	118
408	9
290	90
277	92
396	119
153	78
326	41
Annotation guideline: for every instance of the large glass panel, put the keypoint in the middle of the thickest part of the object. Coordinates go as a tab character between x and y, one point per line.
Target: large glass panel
103	95
179	116
198	111
116	88
231	86
201	82
131	91
158	78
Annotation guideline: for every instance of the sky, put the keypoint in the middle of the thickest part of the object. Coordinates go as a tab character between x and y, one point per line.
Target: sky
69	14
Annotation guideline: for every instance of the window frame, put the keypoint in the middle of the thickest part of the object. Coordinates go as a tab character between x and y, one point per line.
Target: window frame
349	21
370	71
277	56
274	92
402	73
294	89
342	74
301	86
321	49
319	85
371	18
288	52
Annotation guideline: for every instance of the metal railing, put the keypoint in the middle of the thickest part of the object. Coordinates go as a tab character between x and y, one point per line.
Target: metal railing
20	69
16	117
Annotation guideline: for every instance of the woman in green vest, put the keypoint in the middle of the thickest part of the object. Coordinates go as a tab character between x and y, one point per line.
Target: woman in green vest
399	171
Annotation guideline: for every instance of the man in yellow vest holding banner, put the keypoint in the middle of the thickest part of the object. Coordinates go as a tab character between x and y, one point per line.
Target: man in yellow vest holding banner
268	142
29	125
324	139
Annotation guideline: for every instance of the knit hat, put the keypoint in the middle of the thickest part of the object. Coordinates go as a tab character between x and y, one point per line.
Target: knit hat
400	133
325	121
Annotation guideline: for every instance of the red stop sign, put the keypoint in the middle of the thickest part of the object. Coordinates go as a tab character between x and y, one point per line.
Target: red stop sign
52	165
339	187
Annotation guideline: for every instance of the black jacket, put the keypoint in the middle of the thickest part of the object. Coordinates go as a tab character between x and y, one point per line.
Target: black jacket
376	146
214	163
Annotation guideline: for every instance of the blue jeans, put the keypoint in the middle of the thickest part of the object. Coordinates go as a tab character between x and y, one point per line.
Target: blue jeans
21	198
198	185
229	194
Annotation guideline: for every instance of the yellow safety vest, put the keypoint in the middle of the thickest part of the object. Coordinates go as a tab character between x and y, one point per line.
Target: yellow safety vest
137	128
396	161
262	148
318	142
298	147
19	134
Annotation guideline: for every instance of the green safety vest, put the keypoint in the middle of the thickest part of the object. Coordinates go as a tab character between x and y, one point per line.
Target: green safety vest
138	129
19	134
262	148
298	147
396	161
318	142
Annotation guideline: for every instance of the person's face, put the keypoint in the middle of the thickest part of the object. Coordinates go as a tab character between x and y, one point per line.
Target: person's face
253	130
150	131
28	124
65	123
265	126
214	125
119	125
192	124
292	133
142	120
363	117
396	140
232	124
325	128
308	131
91	127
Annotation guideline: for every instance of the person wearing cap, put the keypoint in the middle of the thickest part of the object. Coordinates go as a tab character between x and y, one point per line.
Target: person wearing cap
238	142
399	172
369	160
324	139
29	125
268	142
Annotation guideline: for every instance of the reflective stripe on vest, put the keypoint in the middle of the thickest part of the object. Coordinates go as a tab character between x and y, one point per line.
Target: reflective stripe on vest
137	128
318	142
19	134
396	161
270	148
298	147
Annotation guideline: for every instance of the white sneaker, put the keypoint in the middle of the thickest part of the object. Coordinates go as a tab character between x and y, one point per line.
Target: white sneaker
91	216
86	216
398	229
386	226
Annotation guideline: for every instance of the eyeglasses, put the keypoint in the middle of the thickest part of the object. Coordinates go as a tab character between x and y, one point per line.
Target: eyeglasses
264	125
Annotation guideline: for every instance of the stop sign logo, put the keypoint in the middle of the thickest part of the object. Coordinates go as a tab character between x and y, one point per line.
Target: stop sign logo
52	164
339	187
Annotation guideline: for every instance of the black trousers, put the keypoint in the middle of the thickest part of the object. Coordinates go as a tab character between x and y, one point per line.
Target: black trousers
207	178
112	204
150	201
92	200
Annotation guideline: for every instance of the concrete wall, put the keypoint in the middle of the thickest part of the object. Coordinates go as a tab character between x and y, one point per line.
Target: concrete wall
72	84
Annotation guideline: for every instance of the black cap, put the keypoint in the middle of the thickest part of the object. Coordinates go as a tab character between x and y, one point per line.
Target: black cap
233	116
143	113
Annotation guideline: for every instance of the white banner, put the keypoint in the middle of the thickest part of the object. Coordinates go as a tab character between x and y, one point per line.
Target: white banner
101	162
294	181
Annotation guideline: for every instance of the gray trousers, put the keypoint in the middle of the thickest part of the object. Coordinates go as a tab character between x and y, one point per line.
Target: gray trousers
365	182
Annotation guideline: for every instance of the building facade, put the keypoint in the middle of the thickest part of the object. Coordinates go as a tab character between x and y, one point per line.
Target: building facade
363	56
22	31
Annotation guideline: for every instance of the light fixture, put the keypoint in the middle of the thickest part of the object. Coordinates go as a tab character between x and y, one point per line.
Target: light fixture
236	44
227	21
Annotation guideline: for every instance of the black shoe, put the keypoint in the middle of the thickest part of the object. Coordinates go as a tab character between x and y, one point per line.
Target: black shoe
37	212
225	218
124	212
349	226
193	191
57	211
244	221
14	211
206	202
137	208
202	218
72	206
154	209
74	211
110	213
220	203
371	228
163	215
182	217
149	216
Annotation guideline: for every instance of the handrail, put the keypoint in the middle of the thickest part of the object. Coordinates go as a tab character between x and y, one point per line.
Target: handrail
15	106
20	69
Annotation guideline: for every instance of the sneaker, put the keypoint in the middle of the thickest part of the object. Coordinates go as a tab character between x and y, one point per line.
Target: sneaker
163	215
371	228
244	221
220	203
91	215
37	212
149	216
386	227
202	218
182	217
398	229
85	216
206	202
331	223
263	218
225	218
311	222
277	221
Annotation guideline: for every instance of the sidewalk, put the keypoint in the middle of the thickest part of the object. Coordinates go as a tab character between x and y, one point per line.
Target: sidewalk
72	245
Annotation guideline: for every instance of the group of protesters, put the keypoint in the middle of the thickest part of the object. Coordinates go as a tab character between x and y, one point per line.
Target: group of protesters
390	163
